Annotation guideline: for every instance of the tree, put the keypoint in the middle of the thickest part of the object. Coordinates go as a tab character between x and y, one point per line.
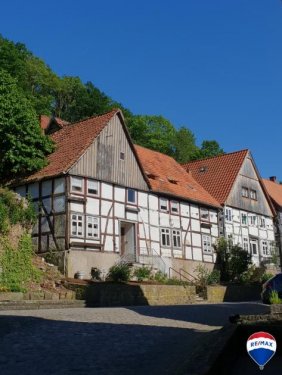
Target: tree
22	144
154	132
184	145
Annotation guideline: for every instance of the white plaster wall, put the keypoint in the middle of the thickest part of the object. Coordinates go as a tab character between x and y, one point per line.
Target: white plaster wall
188	252
106	191
184	210
197	254
142	199
195	225
119	210
76	207
105	208
119	194
196	239
92	206
194	211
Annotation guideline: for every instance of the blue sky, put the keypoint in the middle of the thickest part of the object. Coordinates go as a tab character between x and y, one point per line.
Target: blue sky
213	66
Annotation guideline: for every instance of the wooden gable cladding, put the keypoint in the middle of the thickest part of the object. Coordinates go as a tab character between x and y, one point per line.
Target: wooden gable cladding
249	179
111	158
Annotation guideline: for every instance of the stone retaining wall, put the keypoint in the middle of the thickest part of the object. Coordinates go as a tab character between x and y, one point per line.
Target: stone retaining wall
119	294
233	293
36	296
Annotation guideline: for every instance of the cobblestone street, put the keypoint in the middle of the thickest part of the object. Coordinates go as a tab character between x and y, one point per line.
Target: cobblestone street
133	340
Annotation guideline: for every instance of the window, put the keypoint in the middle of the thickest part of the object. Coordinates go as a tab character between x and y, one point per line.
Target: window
131	196
176	238
121	155
174	207
262	222
92	187
165	237
228	214
245	192
77	184
92	227
59	204
59	185
254	247
253	220
204	214
246	244
77	225
244	219
207	246
253	194
163	204
264	248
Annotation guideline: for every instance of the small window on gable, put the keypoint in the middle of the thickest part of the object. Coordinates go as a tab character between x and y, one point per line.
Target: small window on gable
121	155
204	214
131	196
253	194
77	184
174	207
163	204
92	187
245	192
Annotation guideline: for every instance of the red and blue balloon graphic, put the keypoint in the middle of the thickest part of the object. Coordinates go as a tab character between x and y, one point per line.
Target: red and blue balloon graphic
261	347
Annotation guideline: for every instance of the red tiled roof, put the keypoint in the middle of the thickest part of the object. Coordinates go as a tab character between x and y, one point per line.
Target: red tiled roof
45	121
217	175
165	175
71	142
274	189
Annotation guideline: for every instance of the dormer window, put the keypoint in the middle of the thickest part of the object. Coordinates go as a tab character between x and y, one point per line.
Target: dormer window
172	181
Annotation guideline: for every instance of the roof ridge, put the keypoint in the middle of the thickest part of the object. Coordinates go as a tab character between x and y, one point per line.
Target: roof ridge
157	152
114	110
217	156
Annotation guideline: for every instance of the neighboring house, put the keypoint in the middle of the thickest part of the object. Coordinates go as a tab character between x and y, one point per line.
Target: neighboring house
274	189
247	216
101	200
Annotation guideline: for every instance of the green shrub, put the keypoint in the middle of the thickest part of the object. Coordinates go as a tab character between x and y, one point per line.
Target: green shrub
142	273
265	277
213	277
176	281
206	277
16	265
119	273
160	277
274	298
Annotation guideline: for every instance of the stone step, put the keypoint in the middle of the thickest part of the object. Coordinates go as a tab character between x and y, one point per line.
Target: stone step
40	304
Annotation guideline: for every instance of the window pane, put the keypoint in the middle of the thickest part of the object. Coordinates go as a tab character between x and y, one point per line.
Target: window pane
59	185
77	184
46	188
92	187
59	204
131	195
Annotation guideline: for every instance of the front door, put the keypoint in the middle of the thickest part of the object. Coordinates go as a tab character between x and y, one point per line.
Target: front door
254	251
128	241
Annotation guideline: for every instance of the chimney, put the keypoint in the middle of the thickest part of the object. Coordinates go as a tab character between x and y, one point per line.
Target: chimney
273	178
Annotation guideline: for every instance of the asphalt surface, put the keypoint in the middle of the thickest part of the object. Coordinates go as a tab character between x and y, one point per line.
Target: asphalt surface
107	341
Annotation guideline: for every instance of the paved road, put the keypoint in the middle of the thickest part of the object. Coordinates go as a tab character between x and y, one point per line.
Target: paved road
108	341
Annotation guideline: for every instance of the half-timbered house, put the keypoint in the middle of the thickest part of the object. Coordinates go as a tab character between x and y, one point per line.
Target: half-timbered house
247	215
101	199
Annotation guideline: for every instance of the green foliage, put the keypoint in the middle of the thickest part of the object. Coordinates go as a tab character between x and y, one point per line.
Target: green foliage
176	281
274	298
184	145
206	277
119	273
142	273
95	273
14	210
22	145
160	277
16	265
232	260
265	277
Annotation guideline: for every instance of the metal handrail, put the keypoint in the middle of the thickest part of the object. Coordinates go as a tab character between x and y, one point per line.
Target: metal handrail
174	270
183	270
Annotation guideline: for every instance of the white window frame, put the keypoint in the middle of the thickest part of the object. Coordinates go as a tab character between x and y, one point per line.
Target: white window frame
77	218
262	222
95	231
204	214
135	196
207	244
245	192
174	207
245	216
163	200
77	182
176	239
95	187
228	214
166	236
265	249
246	244
253	220
253	194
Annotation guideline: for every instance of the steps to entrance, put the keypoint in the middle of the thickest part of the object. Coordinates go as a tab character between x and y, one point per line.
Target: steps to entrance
40	304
